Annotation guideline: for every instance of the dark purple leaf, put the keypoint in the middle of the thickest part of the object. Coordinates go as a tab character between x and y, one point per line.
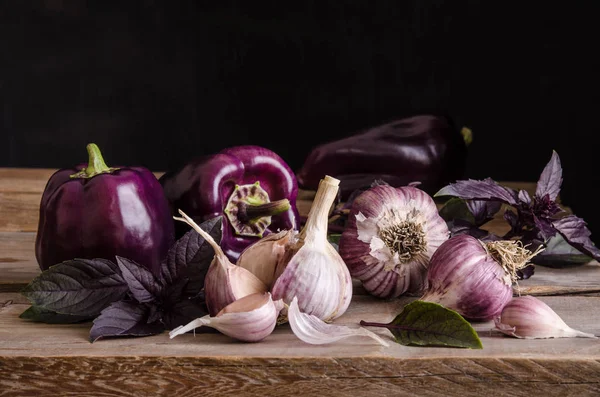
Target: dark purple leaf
575	232
190	256
486	189
545	228
141	282
40	315
124	318
80	287
483	210
550	179
526	272
461	226
183	312
512	219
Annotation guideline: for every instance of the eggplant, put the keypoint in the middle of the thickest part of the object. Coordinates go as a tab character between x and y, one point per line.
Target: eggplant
95	211
252	187
426	149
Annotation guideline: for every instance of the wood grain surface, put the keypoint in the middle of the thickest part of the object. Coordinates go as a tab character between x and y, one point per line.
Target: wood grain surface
55	360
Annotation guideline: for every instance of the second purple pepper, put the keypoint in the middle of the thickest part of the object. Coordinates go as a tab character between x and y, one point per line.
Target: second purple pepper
252	187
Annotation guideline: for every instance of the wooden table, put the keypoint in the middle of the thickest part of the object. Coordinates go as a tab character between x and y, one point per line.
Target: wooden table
51	360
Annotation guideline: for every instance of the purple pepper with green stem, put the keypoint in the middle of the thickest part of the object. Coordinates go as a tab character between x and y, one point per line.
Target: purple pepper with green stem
252	187
95	211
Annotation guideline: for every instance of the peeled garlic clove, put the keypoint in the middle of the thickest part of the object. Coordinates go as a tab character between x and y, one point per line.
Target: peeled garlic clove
389	239
224	282
527	317
249	319
313	330
262	257
314	271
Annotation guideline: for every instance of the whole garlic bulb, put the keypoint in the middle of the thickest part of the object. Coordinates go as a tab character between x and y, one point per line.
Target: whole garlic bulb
389	239
313	271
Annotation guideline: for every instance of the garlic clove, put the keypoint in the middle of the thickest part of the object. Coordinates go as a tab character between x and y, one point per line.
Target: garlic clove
314	271
262	257
527	317
249	319
224	282
311	329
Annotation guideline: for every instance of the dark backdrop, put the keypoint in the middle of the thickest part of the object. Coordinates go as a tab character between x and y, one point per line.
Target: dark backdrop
155	83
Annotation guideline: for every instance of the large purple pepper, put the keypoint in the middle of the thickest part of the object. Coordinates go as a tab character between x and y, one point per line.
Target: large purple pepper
252	187
424	148
94	211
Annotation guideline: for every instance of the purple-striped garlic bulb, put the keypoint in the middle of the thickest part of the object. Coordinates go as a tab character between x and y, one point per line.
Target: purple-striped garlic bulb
391	234
475	278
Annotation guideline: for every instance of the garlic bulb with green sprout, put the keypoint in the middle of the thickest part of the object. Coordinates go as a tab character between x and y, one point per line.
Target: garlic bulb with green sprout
528	317
312	269
389	239
224	282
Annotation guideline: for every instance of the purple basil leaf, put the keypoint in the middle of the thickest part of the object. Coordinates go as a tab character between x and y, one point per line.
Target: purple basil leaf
191	256
524	197
472	189
183	312
124	318
575	232
483	210
80	287
526	272
545	228
141	282
461	226
40	315
550	179
512	219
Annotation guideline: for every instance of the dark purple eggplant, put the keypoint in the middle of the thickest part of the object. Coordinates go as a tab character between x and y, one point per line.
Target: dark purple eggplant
252	187
428	149
95	211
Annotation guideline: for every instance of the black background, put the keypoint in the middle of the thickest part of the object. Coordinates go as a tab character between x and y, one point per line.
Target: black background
155	83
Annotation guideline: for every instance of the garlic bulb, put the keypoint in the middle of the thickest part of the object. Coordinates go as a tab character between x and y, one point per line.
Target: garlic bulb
527	317
389	239
313	330
473	277
224	282
312	268
249	319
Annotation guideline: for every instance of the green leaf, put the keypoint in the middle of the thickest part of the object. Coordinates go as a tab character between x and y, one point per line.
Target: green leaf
41	315
456	208
430	324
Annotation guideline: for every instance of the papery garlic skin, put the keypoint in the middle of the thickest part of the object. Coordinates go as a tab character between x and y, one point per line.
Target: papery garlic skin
314	271
249	319
527	317
389	239
464	277
264	257
224	282
311	329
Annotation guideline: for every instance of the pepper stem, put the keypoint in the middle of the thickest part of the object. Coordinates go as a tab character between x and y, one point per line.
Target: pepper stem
248	212
96	164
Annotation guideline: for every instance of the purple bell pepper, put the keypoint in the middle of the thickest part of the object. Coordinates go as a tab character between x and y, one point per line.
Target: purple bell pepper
424	148
252	187
96	211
